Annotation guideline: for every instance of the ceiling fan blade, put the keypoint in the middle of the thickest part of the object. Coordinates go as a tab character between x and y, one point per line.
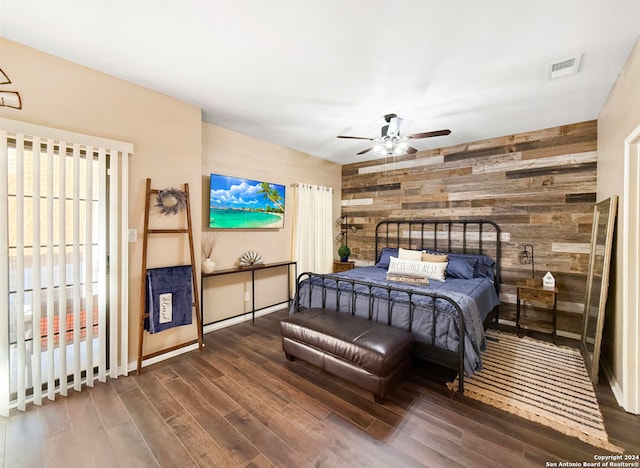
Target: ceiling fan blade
355	138
364	151
411	150
415	136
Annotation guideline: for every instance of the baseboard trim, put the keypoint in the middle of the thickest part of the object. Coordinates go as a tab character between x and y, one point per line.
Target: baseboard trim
613	383
243	318
132	366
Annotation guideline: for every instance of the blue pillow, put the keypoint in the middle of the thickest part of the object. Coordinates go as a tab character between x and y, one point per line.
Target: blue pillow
484	266
460	267
385	255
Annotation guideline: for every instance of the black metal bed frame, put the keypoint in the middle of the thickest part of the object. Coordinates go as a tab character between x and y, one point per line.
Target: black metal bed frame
424	241
409	295
421	234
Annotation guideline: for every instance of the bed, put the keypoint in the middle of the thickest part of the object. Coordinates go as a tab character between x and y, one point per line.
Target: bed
447	318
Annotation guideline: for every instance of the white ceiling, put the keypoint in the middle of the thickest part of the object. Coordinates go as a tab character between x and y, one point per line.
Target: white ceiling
298	73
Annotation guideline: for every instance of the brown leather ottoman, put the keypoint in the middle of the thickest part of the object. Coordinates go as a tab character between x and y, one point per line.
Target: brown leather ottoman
369	354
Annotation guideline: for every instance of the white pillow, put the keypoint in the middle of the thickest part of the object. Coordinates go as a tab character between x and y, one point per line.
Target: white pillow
436	270
414	269
404	254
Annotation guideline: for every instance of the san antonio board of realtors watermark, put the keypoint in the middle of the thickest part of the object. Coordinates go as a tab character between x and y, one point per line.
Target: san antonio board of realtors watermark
601	461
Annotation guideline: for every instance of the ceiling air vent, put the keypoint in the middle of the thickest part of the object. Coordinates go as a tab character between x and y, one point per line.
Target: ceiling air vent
564	67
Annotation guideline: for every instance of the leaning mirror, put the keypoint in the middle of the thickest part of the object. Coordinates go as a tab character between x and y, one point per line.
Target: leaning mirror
604	215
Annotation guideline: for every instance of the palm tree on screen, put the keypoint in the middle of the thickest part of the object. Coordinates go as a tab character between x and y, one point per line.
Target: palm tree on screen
272	195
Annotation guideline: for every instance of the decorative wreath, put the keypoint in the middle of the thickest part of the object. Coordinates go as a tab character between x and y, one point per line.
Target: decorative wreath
171	201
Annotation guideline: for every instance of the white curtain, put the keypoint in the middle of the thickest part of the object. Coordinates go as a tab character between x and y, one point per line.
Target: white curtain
63	262
313	228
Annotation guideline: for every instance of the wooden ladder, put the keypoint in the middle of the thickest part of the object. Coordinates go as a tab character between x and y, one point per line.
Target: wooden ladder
143	312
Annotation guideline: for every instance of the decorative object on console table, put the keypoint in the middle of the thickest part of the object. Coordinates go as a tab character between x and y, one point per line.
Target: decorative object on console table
525	257
339	266
250	259
540	295
208	265
209	241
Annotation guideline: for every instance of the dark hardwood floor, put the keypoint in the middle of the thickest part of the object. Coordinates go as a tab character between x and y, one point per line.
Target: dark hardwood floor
241	403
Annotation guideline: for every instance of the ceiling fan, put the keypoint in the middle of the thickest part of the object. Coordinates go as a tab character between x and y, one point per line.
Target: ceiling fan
390	143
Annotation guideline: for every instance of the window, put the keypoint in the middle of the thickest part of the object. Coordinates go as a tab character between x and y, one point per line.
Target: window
63	227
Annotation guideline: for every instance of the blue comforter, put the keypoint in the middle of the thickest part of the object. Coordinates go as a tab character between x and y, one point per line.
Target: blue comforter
476	297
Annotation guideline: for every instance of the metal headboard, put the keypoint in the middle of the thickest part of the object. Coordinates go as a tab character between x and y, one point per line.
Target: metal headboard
466	236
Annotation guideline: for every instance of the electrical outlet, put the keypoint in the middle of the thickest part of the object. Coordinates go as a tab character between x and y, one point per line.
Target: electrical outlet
133	235
246	297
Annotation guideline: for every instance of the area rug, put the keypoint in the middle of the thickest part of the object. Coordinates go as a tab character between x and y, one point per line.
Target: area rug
541	382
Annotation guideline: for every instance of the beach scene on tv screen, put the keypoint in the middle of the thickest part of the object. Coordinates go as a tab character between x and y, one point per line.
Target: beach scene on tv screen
245	204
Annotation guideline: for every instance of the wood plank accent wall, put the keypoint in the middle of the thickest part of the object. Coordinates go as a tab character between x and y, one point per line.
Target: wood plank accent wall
539	187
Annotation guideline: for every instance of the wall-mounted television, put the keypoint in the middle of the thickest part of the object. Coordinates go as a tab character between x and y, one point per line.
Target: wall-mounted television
236	203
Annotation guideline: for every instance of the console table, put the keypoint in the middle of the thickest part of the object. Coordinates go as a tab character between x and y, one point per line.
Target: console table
251	269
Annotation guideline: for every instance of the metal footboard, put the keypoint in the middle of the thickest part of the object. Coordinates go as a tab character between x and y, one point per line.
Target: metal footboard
392	294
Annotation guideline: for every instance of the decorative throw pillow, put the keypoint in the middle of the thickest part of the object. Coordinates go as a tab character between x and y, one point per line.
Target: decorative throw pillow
385	255
434	258
461	267
405	254
416	269
484	265
436	271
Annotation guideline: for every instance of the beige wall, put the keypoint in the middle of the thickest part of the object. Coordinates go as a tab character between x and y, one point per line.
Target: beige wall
165	133
618	118
230	153
172	147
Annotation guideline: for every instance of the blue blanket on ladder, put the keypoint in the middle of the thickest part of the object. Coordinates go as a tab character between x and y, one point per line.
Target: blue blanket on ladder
169	298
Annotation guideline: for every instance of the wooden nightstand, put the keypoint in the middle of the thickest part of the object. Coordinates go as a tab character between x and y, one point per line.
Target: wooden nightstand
540	295
339	266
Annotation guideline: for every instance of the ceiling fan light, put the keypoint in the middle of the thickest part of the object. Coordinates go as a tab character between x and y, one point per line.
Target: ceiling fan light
390	143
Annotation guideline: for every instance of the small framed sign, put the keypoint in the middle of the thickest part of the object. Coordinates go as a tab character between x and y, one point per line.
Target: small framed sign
548	281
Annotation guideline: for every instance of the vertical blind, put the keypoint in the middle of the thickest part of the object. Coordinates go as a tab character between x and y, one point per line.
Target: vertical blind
63	262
